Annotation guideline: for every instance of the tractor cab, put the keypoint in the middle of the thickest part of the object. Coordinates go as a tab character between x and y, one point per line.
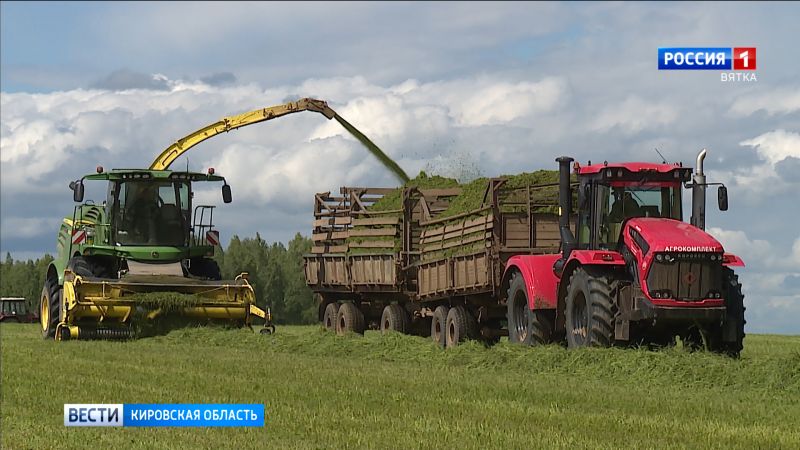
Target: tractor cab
611	194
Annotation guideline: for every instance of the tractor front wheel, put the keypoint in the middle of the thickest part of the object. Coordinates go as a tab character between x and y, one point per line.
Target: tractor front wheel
589	311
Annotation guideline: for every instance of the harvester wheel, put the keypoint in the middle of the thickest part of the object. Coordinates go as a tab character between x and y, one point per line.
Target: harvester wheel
589	310
329	318
80	266
394	318
205	268
349	318
50	308
525	326
439	325
460	326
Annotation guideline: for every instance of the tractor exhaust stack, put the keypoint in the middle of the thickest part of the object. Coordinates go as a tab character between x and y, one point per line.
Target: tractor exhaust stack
565	206
699	193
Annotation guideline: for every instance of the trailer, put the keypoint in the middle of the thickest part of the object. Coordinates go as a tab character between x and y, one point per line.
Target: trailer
409	269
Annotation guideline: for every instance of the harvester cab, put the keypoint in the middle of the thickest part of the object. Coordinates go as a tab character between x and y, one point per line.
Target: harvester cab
143	254
636	271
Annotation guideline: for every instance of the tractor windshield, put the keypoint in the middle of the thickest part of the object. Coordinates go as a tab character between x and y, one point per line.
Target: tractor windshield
13	307
620	202
148	212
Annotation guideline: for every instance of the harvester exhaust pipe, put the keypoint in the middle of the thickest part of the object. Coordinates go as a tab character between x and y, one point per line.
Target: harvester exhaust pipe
565	207
699	193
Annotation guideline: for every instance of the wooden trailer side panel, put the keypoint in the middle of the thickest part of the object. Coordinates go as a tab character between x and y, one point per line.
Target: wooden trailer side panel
368	270
327	270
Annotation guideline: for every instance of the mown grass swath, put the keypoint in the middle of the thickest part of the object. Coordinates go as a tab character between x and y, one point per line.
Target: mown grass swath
399	391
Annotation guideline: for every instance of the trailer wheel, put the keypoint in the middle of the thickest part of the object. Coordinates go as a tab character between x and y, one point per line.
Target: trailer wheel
50	308
349	318
589	311
329	318
394	318
460	326
525	326
439	325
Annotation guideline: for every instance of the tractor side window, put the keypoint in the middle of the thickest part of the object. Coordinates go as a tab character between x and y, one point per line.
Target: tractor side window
608	217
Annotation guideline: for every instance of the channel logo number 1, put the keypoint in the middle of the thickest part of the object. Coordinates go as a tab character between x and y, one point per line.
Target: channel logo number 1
744	58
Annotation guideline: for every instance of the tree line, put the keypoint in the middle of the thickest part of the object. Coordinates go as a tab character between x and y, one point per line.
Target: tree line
24	279
275	271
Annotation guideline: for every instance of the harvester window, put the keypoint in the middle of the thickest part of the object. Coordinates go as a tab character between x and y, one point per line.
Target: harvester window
152	213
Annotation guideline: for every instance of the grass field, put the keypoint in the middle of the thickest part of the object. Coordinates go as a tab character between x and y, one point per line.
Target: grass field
401	392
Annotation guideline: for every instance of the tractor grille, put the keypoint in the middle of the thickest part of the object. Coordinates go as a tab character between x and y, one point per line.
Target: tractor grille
685	276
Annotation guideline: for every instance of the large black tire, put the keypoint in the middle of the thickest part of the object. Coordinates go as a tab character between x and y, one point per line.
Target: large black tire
394	318
460	326
349	319
590	310
727	338
81	267
205	268
525	326
50	308
329	318
439	325
734	322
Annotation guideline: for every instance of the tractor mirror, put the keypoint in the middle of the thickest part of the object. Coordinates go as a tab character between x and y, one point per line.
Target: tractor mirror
722	198
77	191
226	193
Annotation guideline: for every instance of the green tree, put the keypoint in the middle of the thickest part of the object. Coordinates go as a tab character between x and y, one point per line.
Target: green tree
24	278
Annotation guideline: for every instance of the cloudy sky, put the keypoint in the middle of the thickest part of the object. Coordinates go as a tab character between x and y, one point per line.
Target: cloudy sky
458	89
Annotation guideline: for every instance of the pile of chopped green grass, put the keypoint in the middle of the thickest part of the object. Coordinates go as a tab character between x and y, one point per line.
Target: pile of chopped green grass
394	200
166	301
470	199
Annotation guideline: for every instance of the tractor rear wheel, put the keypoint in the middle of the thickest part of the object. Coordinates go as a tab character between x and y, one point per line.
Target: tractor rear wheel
50	308
349	319
525	326
439	325
394	318
589	310
329	318
460	326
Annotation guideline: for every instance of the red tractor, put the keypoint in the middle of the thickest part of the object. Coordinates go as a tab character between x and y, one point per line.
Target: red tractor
16	308
635	272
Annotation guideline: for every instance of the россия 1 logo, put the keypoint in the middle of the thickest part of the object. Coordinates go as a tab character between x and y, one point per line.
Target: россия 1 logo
740	60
